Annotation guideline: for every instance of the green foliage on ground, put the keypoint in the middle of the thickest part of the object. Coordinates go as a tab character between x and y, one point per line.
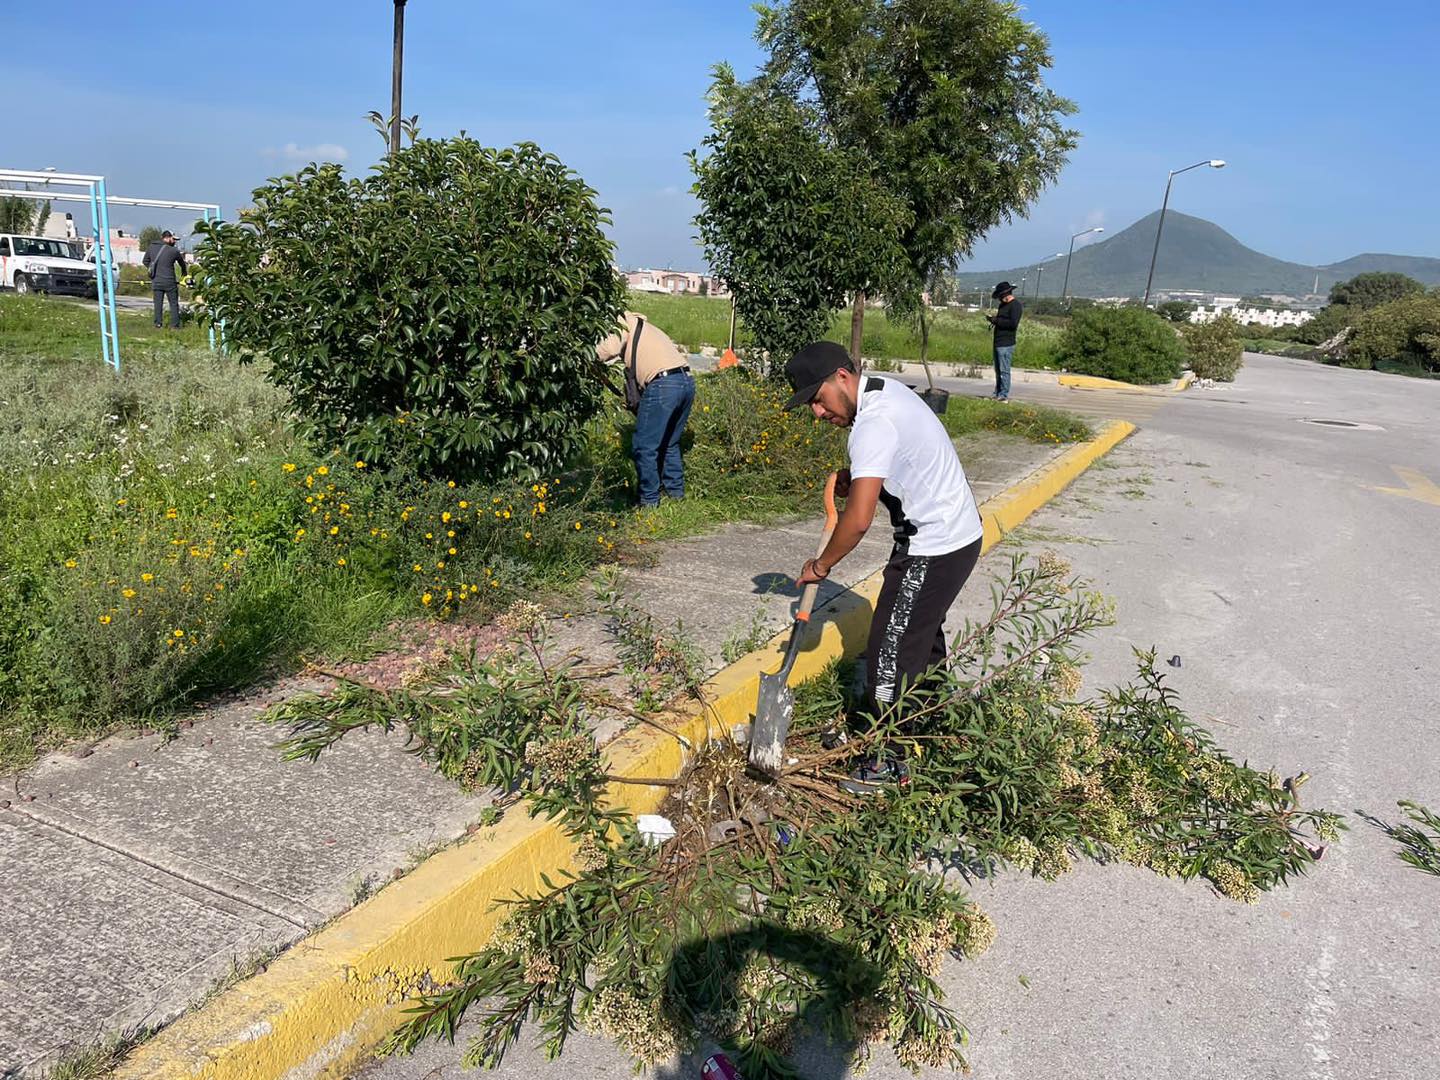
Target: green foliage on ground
1125	343
1419	838
439	313
1214	348
785	907
1037	423
1404	332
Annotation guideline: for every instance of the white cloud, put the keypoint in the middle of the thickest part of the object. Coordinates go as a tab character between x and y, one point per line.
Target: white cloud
303	155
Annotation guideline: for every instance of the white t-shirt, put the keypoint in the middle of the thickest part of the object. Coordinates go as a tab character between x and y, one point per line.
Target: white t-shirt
897	438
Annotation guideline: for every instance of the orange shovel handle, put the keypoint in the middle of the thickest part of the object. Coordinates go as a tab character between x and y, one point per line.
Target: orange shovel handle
832	516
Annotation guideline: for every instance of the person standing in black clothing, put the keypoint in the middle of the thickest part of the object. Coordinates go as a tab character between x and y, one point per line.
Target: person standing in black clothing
163	279
1005	321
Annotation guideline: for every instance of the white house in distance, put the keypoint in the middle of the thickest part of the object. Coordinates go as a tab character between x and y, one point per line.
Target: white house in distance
1244	314
674	281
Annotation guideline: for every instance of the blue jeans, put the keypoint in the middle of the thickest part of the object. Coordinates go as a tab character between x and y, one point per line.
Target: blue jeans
1003	355
664	409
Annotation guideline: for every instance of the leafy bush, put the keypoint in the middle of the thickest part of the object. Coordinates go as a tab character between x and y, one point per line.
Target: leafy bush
1406	332
1125	343
1328	322
1176	311
442	312
1366	291
1214	348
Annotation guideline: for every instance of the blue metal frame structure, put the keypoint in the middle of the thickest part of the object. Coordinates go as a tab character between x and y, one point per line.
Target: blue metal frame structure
96	195
100	202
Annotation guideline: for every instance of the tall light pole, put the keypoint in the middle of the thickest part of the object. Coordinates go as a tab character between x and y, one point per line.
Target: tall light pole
1065	289
1214	163
1040	270
396	66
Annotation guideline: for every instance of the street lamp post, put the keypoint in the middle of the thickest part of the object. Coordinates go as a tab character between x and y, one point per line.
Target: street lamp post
1065	289
1040	270
395	80
1214	163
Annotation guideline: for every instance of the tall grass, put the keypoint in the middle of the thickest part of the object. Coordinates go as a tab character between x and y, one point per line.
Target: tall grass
166	532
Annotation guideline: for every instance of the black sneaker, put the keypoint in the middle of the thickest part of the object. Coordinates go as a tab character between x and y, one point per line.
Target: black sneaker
873	777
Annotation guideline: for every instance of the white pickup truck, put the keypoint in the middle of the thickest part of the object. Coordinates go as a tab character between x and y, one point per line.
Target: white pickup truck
40	264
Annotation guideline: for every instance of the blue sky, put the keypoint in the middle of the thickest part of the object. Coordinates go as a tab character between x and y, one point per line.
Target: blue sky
1324	109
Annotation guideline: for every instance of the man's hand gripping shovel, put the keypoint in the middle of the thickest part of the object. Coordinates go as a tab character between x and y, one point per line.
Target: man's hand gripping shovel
776	704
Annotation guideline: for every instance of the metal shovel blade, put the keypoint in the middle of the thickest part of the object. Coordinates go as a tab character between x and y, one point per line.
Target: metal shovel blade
773	711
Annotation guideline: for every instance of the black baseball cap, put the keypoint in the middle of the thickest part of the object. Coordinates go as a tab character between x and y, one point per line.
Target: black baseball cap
166	233
810	367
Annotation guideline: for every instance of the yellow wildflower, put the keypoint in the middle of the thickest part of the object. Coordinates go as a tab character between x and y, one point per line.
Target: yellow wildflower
178	633
289	466
426	599
105	620
323	470
129	594
147	578
360	464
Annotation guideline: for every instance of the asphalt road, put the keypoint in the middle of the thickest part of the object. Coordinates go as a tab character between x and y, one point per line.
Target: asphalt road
1293	568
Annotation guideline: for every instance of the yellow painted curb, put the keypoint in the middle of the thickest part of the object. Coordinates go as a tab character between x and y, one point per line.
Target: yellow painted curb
317	1011
1095	382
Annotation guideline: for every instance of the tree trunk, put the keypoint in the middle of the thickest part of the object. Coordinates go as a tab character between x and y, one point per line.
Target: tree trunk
857	327
925	345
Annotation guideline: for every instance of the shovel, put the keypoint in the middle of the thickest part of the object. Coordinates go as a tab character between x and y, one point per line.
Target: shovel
776	704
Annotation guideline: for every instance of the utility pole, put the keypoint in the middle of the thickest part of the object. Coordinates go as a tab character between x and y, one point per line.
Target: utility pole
396	67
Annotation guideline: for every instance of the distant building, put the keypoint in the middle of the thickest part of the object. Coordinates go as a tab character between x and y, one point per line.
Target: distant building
59	226
675	282
1226	305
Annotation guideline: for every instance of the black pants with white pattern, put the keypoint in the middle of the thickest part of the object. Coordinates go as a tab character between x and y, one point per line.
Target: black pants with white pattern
907	635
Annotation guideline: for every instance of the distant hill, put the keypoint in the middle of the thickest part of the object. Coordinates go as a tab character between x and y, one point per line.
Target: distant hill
1423	270
1194	254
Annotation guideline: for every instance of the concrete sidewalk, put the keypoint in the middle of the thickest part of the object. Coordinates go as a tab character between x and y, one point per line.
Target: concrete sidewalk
141	872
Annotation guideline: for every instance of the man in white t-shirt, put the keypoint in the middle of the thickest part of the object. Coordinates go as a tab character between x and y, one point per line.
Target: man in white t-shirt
901	457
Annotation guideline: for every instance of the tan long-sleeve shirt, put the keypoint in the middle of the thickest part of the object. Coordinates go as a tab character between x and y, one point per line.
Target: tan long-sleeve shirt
657	352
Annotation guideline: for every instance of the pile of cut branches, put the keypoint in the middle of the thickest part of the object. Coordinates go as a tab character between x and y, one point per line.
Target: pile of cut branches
785	906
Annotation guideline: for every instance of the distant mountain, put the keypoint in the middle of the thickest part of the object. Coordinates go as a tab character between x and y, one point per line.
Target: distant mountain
1426	271
1194	254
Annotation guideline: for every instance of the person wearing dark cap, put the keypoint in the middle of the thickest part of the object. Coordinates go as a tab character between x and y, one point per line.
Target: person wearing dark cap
1006	321
163	279
902	458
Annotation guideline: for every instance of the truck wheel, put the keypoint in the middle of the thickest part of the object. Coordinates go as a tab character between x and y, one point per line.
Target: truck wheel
22	284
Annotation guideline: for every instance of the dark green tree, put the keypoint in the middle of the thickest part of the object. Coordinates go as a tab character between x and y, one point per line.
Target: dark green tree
1366	291
150	234
945	100
793	223
440	313
16	215
1176	311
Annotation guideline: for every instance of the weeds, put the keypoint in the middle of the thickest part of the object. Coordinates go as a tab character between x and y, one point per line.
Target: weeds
746	638
99	1060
